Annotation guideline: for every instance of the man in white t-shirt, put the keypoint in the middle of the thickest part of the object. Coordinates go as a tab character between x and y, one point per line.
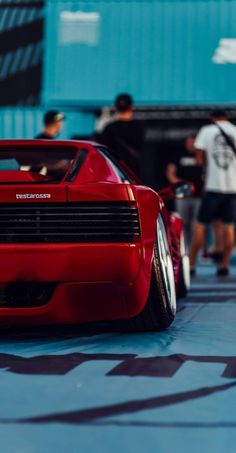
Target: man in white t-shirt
216	143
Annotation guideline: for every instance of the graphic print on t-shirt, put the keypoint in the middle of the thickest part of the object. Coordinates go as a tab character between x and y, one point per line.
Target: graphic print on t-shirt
222	155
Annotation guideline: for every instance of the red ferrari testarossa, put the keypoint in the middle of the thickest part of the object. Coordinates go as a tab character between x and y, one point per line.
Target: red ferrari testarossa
82	240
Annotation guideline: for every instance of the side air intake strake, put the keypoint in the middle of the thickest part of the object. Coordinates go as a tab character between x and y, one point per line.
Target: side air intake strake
68	222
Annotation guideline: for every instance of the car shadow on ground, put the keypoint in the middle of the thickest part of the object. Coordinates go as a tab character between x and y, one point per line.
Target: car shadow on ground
54	332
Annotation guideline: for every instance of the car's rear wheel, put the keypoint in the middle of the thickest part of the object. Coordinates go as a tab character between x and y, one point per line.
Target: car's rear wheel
184	271
160	309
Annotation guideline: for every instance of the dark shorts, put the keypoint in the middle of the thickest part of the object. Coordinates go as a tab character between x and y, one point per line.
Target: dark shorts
217	206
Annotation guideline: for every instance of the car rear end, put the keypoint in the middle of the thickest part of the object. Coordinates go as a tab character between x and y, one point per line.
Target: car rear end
65	260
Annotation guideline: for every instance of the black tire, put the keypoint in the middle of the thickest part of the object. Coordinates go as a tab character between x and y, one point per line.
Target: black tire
160	308
184	277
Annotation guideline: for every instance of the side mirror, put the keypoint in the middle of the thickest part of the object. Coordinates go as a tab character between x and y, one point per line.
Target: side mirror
177	190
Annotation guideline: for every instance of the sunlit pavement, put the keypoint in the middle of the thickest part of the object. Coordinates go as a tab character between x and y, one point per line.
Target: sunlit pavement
100	391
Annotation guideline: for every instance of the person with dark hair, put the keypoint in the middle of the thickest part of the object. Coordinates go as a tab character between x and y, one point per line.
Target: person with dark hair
217	142
183	165
125	136
123	102
53	123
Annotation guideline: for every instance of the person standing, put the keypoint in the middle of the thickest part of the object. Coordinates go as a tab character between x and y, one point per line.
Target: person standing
217	142
53	124
125	136
184	166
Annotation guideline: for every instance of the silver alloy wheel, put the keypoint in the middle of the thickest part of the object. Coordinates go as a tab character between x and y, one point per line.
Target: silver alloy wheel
166	265
185	262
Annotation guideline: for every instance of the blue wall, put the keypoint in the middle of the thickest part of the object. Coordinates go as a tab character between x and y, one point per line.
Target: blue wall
163	52
27	122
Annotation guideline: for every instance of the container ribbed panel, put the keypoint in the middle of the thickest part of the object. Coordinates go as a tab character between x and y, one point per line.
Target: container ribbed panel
163	52
21	123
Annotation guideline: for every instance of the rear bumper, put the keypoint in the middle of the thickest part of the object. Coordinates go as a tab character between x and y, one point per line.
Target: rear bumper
71	303
118	263
76	303
102	282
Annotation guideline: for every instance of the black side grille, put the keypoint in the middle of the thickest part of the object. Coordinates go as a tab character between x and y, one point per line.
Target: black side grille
68	222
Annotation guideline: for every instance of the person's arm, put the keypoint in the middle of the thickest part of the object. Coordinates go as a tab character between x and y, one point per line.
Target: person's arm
200	145
61	166
200	156
171	173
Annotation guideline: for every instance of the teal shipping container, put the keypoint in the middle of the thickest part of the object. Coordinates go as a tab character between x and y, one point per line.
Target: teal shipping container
27	122
178	52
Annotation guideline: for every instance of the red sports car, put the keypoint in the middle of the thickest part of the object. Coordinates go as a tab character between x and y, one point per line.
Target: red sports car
82	240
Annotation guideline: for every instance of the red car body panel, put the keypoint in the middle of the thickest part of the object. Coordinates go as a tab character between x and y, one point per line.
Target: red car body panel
92	281
176	229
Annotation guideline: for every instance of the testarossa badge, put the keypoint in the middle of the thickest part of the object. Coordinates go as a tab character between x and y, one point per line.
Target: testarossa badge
33	195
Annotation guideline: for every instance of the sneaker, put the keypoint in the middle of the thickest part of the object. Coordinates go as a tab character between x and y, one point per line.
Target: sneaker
222	272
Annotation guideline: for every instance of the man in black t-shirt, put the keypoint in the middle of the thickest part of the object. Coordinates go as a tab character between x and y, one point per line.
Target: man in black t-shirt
183	165
53	123
124	136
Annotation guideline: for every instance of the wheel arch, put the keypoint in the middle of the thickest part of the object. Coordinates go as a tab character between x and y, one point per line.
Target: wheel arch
150	206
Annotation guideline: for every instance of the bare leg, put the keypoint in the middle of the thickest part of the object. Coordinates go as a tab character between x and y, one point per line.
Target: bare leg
229	241
197	242
218	231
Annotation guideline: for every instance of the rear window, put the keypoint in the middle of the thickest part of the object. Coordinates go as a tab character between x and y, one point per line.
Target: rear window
123	176
38	164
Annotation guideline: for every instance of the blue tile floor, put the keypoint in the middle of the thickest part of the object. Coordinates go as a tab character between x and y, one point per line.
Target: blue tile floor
98	391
